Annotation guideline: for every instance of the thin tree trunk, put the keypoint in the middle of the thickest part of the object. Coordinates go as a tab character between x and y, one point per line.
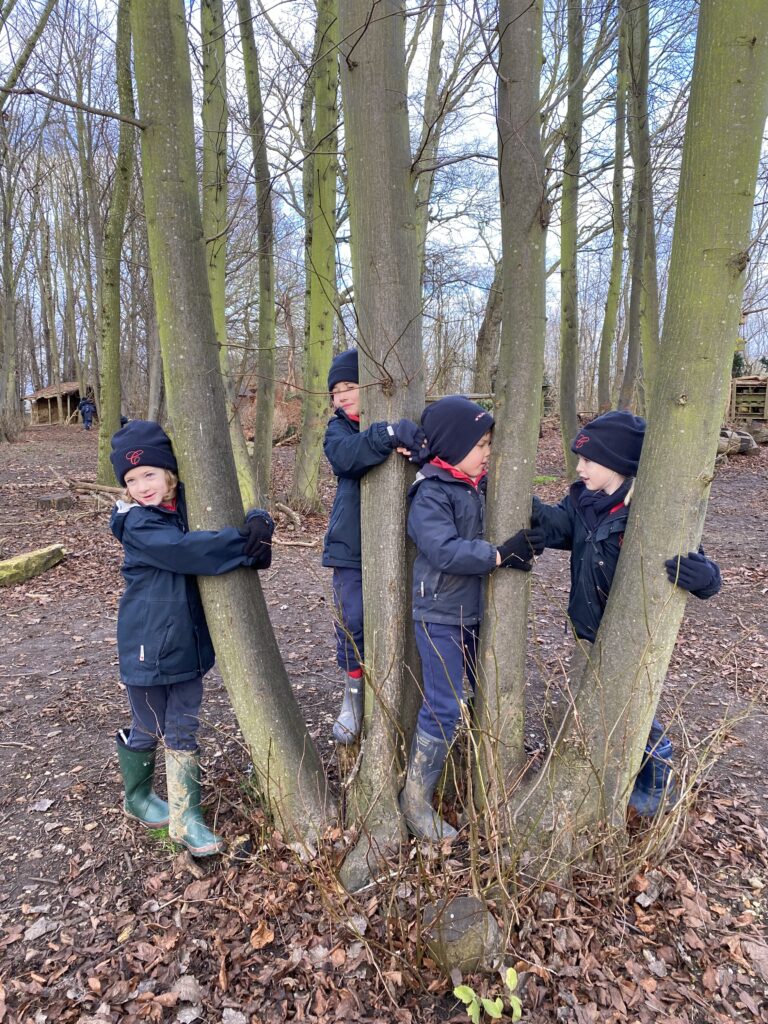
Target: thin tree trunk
429	142
215	188
486	346
569	229
23	59
524	218
636	16
111	391
265	372
587	782
610	318
386	278
322	269
288	768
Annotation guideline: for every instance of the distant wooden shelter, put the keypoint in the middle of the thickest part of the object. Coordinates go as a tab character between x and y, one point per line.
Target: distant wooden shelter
749	399
45	407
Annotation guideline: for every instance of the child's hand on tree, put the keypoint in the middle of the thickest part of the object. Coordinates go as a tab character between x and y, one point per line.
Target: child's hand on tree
257	534
410	440
517	552
695	573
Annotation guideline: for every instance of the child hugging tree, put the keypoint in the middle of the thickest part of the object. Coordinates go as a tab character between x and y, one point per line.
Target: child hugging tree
163	642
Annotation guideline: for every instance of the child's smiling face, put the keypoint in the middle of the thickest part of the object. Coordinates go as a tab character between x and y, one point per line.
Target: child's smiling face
597	477
147	485
346	396
476	461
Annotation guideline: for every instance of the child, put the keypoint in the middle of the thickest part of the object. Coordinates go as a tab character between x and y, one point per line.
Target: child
87	408
163	643
351	453
590	522
446	522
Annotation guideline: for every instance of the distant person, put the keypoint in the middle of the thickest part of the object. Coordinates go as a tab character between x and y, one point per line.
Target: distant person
446	521
163	643
352	452
590	522
87	408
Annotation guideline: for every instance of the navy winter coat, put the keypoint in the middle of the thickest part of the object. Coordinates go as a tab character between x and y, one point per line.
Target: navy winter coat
351	453
446	521
594	555
162	635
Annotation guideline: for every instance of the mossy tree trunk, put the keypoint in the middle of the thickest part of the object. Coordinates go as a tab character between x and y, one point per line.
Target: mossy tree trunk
322	257
287	765
587	781
111	391
524	218
610	317
265	367
569	230
386	276
215	227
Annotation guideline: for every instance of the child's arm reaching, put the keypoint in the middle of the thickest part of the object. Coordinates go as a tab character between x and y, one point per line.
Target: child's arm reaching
695	573
517	551
149	540
555	523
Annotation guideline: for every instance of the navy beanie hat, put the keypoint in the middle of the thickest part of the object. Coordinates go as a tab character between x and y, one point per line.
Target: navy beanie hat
613	440
141	443
453	426
344	367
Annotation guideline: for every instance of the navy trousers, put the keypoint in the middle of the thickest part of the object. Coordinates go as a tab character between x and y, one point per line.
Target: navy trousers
170	713
448	654
348	601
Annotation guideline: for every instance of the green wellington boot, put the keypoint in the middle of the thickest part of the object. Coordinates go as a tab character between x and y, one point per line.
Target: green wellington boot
425	765
141	801
182	769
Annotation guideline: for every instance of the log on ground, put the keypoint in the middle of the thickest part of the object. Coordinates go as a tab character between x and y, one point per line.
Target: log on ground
31	563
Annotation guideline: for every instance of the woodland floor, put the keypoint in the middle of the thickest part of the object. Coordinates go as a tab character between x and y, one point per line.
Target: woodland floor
101	921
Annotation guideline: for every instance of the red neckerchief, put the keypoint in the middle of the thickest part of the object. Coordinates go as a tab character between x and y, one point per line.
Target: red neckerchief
169	505
442	464
351	416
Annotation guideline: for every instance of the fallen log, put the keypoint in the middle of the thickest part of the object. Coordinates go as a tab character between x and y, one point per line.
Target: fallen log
31	563
58	502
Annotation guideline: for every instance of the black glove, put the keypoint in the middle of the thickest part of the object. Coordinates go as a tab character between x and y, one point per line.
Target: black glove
408	434
257	533
695	573
517	552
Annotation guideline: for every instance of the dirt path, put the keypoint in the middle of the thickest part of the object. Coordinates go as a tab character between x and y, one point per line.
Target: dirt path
76	879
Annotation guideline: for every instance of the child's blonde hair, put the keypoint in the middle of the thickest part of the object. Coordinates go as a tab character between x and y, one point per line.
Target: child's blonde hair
172	482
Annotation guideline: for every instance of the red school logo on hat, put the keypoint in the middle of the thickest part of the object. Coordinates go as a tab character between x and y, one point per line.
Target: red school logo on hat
134	456
581	440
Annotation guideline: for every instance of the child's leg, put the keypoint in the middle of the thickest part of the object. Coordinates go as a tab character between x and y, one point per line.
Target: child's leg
182	715
182	766
348	601
148	707
441	649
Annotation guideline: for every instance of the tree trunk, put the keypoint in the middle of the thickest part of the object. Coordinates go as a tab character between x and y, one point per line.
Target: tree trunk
429	142
569	230
386	278
610	318
23	59
322	268
636	16
215	227
287	766
111	391
576	794
265	372
524	218
487	343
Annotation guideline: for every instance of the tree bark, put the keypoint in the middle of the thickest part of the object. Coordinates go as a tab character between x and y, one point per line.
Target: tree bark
587	781
322	255
610	317
488	335
265	372
111	390
569	230
386	278
288	769
524	217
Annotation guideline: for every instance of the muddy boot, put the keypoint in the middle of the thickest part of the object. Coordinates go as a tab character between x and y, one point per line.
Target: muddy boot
425	766
347	726
182	769
138	770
